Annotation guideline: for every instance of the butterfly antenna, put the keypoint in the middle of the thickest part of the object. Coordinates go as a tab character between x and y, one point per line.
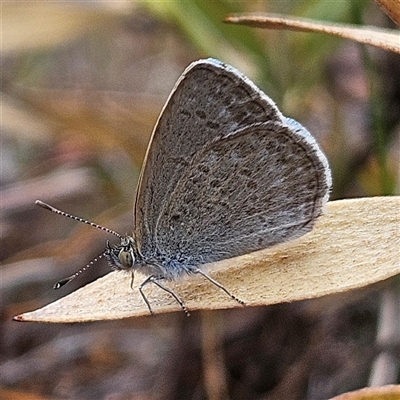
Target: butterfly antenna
51	208
64	281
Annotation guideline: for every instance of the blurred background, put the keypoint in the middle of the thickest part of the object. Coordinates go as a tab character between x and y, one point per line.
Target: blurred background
82	86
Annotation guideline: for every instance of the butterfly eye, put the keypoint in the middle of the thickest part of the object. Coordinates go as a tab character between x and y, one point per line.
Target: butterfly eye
126	257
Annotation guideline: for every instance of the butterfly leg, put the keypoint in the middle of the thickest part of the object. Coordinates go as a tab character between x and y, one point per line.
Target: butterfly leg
216	283
143	295
155	280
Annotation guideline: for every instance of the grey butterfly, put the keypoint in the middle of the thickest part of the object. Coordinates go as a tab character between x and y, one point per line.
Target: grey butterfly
225	174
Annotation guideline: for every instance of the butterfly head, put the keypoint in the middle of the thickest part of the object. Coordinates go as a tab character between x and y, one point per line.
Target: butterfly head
121	256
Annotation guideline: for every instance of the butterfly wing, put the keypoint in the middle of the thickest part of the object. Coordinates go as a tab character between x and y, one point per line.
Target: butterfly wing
209	100
242	193
226	173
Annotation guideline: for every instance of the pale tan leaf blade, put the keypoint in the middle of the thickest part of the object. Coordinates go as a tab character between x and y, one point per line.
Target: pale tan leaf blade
383	38
354	244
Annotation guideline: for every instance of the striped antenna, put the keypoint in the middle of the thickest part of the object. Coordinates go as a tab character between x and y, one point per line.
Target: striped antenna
51	208
64	281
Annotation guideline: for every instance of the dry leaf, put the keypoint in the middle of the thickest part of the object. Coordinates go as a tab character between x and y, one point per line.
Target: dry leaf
107	119
389	392
355	243
32	25
383	38
391	8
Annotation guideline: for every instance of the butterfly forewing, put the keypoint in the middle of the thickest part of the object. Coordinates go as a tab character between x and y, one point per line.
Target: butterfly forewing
210	100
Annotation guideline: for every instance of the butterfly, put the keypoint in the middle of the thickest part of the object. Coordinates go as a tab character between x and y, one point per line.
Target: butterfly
225	174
